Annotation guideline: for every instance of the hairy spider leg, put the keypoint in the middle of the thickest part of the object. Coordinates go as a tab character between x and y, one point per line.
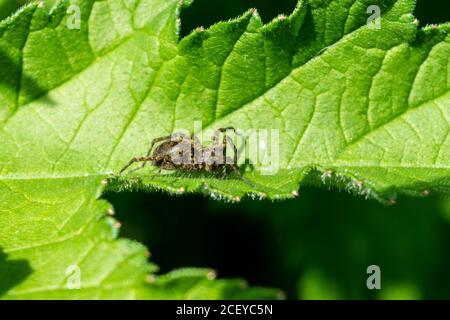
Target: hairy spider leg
241	176
134	160
226	139
196	150
239	151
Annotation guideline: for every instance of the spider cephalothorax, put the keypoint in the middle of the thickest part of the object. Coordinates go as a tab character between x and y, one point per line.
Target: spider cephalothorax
186	154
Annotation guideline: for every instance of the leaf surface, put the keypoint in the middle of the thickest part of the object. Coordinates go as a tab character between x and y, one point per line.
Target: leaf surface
355	107
353	102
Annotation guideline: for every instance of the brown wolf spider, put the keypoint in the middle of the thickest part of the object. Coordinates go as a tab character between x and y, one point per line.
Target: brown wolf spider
186	154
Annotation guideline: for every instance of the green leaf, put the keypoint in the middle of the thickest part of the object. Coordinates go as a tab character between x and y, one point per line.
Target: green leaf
353	105
7	7
59	242
358	108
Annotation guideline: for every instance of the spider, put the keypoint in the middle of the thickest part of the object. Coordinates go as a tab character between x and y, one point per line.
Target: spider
186	154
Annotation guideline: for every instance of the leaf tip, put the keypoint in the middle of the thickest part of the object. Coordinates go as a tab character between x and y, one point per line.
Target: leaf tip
282	17
211	274
425	193
117	225
151	278
111	212
392	202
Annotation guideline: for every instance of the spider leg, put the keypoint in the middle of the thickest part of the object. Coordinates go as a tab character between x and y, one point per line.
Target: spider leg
235	168
158	172
240	150
195	140
227	139
223	145
134	160
196	150
216	148
235	151
222	130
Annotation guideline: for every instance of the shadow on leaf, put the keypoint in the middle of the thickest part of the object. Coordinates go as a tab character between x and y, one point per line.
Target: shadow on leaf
12	272
19	87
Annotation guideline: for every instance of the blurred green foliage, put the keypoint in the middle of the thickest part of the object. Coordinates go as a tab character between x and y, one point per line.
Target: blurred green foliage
318	246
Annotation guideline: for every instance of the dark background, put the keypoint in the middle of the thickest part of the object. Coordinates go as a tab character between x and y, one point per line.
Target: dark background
207	12
317	246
